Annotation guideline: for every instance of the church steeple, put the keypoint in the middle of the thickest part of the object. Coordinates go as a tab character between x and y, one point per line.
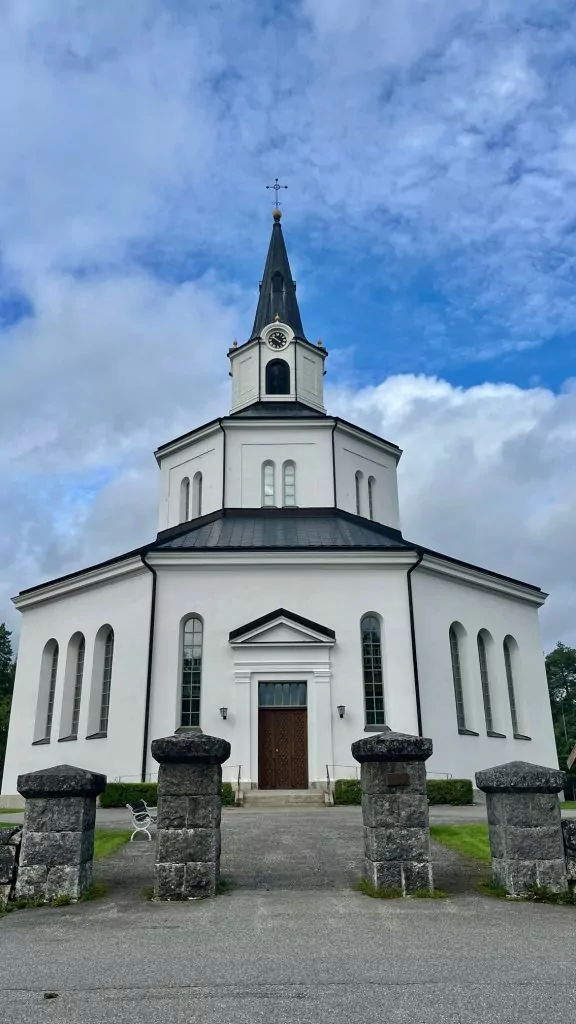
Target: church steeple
277	299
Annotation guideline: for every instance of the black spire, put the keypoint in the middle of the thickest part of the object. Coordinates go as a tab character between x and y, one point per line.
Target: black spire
277	289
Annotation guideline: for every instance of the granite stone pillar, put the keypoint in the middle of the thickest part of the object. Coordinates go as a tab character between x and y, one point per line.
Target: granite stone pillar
395	810
524	826
58	837
189	812
10	839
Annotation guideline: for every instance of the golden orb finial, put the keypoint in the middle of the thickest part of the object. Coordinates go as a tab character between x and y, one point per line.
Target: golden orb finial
277	214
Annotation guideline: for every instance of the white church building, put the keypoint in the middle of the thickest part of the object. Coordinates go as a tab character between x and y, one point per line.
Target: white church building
279	605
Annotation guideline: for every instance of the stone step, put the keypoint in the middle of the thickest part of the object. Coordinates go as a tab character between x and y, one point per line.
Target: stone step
283	798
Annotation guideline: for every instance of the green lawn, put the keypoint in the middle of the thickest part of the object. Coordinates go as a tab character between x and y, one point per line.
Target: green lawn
569	805
11	810
469	840
105	841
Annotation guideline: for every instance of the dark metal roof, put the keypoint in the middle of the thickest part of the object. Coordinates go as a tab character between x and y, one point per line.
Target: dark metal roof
279	411
277	288
277	614
270	529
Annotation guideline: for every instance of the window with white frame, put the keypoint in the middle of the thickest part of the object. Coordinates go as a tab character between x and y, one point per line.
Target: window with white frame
289	483
192	642
197	495
455	655
51	690
78	677
358	478
185	500
372	670
509	657
485	680
106	680
268	490
371	490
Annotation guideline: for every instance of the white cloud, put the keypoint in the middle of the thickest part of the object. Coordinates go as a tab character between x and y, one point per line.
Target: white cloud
487	476
436	132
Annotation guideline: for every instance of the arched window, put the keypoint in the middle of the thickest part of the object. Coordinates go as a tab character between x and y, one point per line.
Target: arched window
268	473
46	693
197	495
510	648
371	488
77	695
485	680
277	377
457	676
372	670
358	484
51	690
185	500
289	483
192	637
106	680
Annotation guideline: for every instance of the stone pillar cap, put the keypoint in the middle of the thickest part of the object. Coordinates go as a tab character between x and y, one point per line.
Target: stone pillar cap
190	748
391	746
63	780
520	776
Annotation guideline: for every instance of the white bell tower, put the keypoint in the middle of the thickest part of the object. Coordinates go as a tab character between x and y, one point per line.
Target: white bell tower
277	364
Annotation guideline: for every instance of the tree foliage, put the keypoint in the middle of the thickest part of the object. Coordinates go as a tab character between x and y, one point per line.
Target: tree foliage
7	668
561	675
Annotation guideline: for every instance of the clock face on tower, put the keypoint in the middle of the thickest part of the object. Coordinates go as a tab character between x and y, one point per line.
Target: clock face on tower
277	339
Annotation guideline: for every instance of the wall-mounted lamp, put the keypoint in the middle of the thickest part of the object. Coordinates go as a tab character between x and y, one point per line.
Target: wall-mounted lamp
341	709
224	713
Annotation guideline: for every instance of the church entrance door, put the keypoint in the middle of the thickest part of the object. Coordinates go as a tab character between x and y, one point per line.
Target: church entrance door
282	736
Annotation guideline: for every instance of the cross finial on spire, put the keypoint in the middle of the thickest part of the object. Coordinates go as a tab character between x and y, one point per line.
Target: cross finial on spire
276	186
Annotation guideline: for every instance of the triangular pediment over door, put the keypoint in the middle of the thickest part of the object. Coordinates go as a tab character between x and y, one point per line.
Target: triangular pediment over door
282	628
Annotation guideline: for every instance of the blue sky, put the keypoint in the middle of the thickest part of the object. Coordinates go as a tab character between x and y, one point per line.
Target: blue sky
429	147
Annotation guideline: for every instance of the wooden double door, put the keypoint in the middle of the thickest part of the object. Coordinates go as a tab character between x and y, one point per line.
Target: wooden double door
282	748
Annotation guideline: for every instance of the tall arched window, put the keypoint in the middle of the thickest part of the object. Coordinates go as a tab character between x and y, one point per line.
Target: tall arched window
77	695
372	670
457	676
509	652
289	483
485	680
371	489
106	680
185	500
51	691
192	638
358	485
268	473
197	495
277	377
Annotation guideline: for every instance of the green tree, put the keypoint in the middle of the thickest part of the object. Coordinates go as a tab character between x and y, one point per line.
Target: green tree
7	667
561	675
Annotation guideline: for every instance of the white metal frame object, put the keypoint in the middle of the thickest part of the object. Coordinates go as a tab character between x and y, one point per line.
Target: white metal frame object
141	818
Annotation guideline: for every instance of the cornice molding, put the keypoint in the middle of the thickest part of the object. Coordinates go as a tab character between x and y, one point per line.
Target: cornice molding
227	559
89	579
183	442
482	579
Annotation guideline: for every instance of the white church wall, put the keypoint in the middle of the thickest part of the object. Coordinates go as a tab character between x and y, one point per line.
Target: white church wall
248	447
203	456
333	595
438	603
309	376
125	605
352	455
244	368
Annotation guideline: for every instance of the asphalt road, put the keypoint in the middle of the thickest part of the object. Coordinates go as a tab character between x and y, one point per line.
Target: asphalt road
290	942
